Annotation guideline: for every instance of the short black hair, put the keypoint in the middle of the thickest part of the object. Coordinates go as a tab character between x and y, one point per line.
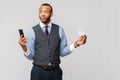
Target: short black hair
46	4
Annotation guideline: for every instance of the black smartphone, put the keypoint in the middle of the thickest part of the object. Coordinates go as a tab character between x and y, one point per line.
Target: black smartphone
21	32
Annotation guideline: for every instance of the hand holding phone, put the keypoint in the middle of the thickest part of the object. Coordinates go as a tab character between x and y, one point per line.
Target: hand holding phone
22	41
21	32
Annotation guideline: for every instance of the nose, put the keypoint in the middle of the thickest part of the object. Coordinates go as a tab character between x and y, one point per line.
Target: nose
42	13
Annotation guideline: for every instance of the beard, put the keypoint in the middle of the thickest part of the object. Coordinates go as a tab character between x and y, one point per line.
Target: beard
45	20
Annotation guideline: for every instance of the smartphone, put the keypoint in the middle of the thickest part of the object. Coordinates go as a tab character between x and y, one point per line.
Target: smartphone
21	32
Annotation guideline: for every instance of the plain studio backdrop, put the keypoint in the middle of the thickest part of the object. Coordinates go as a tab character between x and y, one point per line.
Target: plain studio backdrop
98	59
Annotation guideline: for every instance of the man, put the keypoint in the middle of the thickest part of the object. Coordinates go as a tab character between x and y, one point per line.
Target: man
45	43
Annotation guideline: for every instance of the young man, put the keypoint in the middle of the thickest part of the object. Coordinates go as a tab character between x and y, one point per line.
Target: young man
44	44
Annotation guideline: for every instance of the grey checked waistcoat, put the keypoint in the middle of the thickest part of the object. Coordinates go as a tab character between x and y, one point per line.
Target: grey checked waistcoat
47	48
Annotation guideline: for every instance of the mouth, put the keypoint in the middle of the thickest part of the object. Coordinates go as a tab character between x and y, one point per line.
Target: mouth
43	18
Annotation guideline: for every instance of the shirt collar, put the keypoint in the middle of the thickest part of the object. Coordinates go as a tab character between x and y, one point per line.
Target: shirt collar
43	25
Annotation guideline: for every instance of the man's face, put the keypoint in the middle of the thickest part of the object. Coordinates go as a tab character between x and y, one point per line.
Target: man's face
45	14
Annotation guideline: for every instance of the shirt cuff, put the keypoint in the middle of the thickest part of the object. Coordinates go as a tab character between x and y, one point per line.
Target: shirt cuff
72	48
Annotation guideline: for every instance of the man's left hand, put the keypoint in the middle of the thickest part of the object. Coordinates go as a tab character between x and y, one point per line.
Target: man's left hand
80	41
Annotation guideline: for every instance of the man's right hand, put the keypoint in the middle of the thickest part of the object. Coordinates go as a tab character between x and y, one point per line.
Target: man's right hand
23	41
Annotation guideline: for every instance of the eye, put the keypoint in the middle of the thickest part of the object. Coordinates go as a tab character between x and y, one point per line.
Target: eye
47	12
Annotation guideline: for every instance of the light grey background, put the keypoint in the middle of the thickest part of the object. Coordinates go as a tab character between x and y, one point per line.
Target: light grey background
98	59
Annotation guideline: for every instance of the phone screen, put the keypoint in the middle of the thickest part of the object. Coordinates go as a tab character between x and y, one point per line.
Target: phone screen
21	32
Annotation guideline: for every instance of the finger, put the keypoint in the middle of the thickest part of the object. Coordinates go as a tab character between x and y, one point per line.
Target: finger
85	36
22	40
83	40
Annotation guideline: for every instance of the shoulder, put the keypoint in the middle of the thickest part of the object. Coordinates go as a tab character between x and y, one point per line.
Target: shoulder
53	24
60	28
35	26
30	31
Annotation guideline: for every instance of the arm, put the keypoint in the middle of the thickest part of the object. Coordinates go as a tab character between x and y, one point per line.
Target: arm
28	44
64	48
